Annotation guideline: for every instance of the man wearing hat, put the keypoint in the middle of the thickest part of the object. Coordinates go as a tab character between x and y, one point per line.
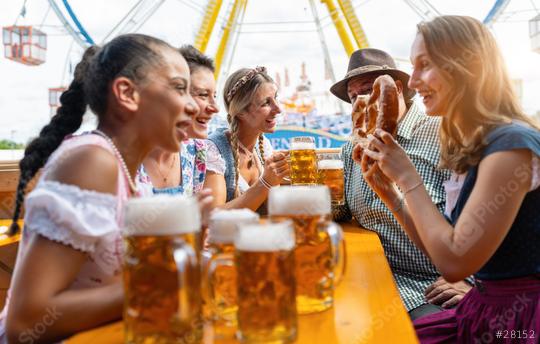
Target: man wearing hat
421	287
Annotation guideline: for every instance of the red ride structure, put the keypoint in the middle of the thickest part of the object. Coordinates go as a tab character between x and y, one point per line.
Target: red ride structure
24	44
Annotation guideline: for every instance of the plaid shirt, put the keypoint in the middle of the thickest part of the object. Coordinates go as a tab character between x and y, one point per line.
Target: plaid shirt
413	272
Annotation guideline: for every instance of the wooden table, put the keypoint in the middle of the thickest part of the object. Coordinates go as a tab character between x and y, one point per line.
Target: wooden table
367	307
6	239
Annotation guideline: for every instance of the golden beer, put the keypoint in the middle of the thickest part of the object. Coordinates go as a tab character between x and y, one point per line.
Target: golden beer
266	283
316	250
331	175
303	161
162	271
219	278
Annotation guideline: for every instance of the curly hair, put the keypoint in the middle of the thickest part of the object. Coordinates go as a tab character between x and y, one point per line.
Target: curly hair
127	55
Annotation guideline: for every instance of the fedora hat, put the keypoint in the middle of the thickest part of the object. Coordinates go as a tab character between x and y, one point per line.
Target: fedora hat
369	61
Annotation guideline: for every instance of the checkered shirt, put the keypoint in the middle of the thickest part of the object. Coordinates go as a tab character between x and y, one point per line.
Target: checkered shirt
413	272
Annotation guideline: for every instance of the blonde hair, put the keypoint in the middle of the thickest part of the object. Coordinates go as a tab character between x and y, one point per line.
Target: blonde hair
239	102
481	91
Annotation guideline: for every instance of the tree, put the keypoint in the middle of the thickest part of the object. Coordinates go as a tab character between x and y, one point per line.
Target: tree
8	144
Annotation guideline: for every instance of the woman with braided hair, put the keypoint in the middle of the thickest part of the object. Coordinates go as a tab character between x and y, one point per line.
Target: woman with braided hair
68	268
241	165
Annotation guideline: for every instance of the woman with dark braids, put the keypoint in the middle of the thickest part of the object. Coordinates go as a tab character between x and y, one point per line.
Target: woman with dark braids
241	166
68	266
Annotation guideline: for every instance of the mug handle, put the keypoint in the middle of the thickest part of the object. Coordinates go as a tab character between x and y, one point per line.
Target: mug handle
187	266
339	251
213	264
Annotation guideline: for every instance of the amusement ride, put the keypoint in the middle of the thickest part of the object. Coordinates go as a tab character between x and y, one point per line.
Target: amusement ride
27	44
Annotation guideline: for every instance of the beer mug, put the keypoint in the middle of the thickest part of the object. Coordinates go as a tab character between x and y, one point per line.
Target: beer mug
266	283
162	271
219	277
331	175
320	249
303	161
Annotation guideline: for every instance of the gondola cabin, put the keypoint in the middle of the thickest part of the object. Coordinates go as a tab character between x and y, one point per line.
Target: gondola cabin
54	98
24	44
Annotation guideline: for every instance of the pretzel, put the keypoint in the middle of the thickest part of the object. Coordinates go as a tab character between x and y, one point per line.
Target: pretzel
379	110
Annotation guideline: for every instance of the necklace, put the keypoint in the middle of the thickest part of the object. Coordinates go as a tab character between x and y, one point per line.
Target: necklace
165	177
131	183
249	154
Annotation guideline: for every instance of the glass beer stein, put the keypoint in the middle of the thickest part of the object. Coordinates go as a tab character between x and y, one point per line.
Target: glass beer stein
162	271
331	175
320	248
266	283
219	272
303	161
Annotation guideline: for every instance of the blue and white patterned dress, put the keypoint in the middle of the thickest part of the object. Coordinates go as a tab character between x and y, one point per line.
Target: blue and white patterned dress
193	164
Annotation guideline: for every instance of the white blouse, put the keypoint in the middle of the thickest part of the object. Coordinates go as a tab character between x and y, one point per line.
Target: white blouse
455	183
82	219
85	220
216	163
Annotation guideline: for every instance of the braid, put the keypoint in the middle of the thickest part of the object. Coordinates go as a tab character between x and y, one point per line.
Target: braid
68	119
234	146
261	147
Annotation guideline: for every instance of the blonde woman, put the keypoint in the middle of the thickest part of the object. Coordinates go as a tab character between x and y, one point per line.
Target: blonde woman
492	224
241	165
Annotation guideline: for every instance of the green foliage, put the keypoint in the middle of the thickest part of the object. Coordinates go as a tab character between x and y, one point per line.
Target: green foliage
8	144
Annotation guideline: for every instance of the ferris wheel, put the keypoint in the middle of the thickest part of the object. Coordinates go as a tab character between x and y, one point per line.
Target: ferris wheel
28	44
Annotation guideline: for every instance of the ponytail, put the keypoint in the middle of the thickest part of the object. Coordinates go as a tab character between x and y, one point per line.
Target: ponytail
67	120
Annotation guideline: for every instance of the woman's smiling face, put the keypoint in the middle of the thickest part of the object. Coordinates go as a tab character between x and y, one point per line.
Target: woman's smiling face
428	80
203	91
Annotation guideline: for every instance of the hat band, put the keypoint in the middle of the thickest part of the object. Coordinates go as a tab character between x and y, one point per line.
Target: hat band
367	68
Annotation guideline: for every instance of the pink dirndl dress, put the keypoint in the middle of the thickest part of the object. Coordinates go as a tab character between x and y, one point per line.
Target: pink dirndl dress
85	220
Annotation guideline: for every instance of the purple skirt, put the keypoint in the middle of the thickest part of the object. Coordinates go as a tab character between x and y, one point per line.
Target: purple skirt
505	311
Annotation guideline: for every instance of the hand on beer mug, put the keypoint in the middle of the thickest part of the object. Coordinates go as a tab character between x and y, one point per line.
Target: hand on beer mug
276	168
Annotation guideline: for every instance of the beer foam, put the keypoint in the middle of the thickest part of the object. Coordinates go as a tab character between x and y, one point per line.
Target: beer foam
299	200
295	145
162	215
268	237
330	164
224	224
